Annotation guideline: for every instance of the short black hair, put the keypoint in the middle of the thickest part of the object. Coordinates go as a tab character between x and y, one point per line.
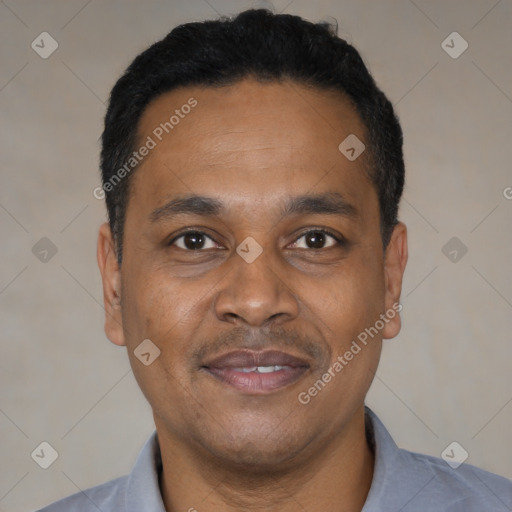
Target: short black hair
268	47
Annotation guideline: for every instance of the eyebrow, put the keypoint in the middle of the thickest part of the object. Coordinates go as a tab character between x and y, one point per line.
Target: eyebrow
331	203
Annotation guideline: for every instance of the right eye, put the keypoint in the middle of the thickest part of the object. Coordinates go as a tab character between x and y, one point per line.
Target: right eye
192	241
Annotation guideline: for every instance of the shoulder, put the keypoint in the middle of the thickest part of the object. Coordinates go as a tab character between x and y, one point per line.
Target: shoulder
106	497
466	488
409	481
135	492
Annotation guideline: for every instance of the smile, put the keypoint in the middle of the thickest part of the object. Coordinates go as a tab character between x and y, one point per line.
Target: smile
261	369
257	372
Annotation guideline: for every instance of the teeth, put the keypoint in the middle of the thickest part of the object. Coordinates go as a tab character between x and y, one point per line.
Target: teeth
259	369
268	369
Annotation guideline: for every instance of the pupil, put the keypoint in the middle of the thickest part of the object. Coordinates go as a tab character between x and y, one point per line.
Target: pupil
316	239
191	240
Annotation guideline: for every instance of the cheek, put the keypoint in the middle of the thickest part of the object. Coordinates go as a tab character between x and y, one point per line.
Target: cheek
356	303
158	310
156	306
171	313
356	296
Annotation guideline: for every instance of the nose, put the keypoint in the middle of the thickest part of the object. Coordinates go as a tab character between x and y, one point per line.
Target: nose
256	293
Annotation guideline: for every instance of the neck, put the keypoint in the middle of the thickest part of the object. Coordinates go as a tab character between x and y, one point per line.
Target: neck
337	475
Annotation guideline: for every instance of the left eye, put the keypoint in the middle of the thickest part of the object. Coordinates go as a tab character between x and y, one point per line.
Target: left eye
315	239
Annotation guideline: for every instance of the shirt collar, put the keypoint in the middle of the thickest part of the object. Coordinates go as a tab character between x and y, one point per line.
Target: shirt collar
397	476
394	469
143	488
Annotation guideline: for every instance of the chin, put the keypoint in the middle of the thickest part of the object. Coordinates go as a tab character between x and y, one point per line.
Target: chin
256	460
263	451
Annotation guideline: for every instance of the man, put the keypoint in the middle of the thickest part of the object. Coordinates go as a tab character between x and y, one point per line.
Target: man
252	266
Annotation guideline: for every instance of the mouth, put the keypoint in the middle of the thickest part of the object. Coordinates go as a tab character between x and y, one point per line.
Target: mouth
257	372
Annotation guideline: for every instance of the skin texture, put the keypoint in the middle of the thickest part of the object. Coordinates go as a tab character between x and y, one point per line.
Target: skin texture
252	146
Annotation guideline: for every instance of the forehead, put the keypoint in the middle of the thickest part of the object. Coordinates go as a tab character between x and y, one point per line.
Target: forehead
285	112
249	140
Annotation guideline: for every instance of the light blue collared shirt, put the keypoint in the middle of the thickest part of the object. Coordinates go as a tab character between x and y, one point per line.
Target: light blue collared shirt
403	481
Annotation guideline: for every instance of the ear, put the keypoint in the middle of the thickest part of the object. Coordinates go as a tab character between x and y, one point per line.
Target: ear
111	277
395	260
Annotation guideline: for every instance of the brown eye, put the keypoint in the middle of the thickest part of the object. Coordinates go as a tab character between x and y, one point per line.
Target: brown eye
316	239
192	241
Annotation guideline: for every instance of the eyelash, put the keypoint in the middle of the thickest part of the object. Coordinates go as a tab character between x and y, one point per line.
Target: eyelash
341	241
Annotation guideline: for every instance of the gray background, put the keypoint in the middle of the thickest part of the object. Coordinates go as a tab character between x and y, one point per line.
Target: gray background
446	377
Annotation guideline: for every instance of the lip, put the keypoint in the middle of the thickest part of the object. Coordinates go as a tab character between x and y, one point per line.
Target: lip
228	369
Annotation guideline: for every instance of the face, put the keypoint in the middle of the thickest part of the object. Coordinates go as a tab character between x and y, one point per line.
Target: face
252	260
